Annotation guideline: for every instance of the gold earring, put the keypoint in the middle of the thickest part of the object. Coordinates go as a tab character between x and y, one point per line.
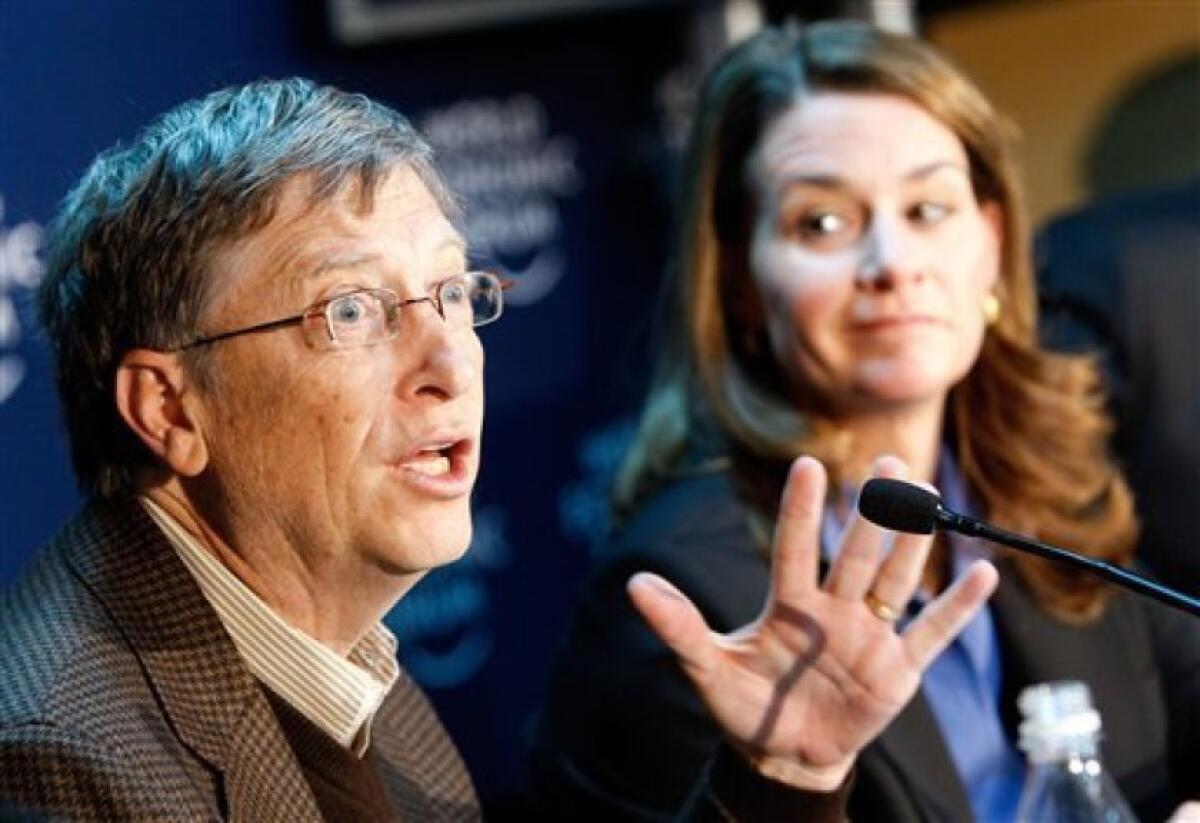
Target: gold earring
991	308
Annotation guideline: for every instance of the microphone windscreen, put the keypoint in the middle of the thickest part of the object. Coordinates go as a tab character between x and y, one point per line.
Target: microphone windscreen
899	506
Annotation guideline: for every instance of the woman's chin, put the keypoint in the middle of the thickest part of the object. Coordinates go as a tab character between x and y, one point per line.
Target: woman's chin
909	380
903	391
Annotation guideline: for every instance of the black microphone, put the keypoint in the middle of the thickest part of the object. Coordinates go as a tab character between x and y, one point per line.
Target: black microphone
905	507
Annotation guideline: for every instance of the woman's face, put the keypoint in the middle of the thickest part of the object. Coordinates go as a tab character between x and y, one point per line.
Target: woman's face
870	256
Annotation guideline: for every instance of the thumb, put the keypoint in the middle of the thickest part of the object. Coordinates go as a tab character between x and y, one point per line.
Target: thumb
1189	812
676	621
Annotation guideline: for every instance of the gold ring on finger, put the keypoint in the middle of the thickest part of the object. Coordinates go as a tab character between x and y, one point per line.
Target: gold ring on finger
880	609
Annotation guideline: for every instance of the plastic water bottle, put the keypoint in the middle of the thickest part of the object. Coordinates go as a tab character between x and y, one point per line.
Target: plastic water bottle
1060	735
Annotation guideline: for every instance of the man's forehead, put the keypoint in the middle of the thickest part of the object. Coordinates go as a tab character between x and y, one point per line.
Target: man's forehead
400	198
400	190
307	232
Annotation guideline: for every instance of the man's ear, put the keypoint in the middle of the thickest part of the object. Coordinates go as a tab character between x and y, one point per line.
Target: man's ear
149	393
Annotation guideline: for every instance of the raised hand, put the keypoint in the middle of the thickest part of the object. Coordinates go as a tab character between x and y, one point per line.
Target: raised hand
802	689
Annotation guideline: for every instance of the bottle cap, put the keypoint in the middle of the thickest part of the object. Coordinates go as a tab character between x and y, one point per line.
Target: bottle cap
1056	712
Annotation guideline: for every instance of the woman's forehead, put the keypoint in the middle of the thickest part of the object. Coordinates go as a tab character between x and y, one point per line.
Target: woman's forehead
832	135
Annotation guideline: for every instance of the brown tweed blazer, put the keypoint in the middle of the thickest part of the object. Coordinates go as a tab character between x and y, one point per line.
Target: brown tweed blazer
122	698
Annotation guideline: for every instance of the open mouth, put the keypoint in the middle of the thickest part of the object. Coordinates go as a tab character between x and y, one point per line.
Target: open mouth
441	468
432	462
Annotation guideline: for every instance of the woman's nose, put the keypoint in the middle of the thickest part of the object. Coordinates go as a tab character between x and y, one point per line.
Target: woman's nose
891	257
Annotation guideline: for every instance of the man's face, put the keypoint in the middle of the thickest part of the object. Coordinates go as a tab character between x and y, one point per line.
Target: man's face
359	459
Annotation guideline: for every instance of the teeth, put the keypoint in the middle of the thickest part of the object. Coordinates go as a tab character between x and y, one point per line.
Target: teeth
431	464
431	468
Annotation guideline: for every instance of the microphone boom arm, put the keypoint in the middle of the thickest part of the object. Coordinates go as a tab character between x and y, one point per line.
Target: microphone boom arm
946	519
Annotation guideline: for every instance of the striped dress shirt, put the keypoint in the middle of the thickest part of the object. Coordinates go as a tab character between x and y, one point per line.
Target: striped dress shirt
338	694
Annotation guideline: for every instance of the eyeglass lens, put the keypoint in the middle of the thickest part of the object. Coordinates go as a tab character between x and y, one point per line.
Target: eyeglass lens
364	317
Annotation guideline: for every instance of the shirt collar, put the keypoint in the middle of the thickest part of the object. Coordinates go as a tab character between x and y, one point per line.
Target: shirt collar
340	695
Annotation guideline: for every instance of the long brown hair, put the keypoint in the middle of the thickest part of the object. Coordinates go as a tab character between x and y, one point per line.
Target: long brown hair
1027	426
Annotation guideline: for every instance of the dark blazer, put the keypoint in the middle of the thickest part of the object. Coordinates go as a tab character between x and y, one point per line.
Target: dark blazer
1122	278
122	698
623	733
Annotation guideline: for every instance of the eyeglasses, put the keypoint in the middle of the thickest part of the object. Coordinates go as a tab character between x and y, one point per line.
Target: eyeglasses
366	316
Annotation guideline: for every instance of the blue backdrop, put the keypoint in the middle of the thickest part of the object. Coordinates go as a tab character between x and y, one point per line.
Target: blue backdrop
557	132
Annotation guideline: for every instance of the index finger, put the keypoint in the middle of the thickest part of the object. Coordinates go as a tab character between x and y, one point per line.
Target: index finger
795	547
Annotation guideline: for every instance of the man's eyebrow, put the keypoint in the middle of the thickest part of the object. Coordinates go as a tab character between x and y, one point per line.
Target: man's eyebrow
353	260
337	262
301	271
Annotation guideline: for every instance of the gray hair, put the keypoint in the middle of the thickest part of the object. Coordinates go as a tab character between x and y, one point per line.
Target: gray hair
127	253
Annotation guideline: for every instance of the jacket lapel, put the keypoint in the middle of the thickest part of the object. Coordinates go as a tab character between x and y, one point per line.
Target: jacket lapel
418	763
1112	655
912	746
210	699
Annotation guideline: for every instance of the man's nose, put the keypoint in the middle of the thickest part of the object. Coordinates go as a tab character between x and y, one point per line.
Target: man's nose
443	362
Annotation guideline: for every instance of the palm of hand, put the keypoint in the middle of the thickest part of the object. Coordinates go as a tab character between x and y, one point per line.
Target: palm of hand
826	693
819	674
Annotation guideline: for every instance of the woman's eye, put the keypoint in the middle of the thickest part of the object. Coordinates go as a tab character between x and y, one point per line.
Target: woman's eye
928	211
823	223
825	229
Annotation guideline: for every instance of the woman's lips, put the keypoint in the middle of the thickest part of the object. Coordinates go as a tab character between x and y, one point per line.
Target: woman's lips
896	323
445	471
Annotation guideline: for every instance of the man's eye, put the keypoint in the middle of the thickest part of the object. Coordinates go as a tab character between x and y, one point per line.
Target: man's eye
349	309
454	292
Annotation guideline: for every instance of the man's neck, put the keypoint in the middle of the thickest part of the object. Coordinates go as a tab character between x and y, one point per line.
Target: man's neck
316	595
